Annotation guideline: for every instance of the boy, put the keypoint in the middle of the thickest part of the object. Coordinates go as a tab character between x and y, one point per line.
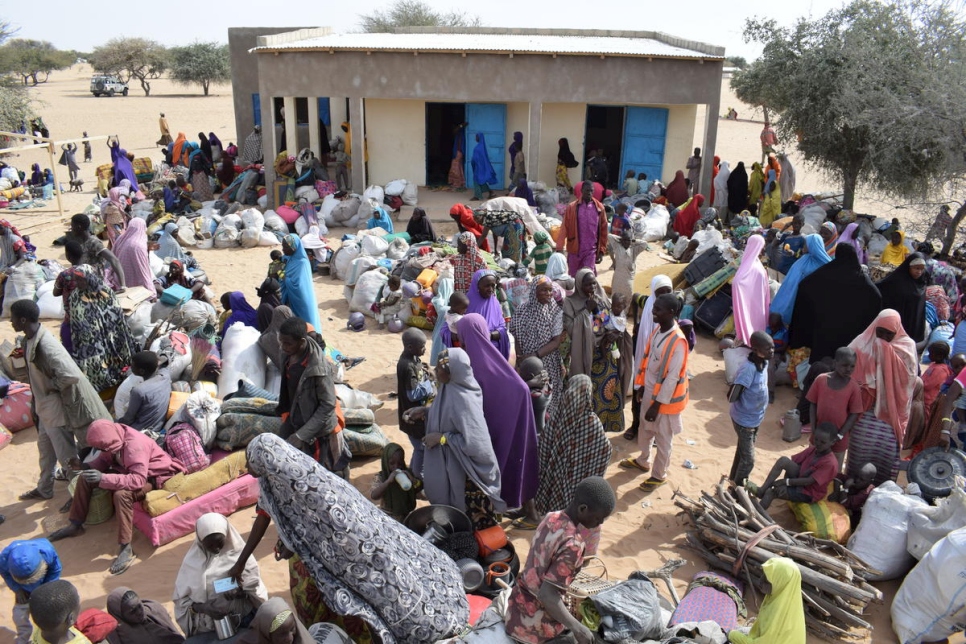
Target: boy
623	251
621	221
54	608
534	374
749	399
854	492
276	269
459	302
807	474
541	253
25	565
778	332
835	398
630	183
416	389
535	610
149	400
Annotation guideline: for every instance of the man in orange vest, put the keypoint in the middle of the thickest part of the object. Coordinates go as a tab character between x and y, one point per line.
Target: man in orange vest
662	391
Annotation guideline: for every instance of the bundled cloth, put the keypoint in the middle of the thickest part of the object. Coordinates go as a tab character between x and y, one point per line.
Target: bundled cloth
183	488
237	430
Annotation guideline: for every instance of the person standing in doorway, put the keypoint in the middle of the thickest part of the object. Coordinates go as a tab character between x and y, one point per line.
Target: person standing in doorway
694	170
518	163
584	230
165	132
483	172
768	140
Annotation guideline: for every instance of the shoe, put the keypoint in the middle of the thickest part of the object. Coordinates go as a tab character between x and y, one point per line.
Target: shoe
652	484
60	474
630	434
524	523
632	464
35	495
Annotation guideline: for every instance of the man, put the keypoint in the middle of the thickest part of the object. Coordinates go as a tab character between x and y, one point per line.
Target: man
584	230
94	252
311	418
694	170
130	465
768	140
64	401
25	565
165	132
149	399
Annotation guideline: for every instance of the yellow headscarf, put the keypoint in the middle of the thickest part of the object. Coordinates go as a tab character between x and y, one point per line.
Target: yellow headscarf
781	619
895	255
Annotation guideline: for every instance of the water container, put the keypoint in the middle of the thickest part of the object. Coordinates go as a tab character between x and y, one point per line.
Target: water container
792	430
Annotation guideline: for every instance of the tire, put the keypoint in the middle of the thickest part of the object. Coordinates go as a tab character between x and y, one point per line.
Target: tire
97	94
99	86
110	92
124	93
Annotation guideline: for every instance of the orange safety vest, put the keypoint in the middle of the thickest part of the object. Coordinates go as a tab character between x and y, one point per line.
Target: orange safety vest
680	398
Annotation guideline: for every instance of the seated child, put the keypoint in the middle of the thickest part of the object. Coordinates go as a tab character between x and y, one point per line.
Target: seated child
807	474
390	300
835	398
459	302
276	269
936	375
535	610
540	254
395	485
534	374
149	399
54	607
630	185
225	302
642	184
416	388
852	493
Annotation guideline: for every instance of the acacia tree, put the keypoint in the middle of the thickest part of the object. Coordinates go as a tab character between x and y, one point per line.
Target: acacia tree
33	60
138	58
201	63
873	93
15	105
413	13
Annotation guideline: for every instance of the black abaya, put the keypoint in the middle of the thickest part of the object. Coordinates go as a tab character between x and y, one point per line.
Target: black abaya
907	296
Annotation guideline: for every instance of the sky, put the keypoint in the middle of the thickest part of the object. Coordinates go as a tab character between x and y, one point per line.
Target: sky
70	24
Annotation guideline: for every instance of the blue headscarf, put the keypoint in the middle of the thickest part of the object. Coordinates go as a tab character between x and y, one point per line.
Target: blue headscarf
444	290
808	263
380	219
297	291
483	172
123	169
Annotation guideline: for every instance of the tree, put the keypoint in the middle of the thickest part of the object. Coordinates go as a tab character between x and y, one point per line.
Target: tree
413	13
737	61
139	58
33	60
15	107
873	93
201	63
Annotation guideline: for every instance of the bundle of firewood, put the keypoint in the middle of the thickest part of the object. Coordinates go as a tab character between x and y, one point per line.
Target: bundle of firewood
733	532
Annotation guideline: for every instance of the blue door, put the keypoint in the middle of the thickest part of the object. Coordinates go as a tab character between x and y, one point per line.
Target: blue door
324	114
488	119
645	131
257	109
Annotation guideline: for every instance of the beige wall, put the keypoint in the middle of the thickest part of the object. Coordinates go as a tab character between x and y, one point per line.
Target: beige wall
561	120
681	125
396	134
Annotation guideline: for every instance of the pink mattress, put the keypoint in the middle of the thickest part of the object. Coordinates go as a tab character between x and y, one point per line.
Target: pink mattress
240	493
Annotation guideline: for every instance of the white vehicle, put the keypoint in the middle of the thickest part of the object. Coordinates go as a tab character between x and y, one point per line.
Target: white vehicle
106	85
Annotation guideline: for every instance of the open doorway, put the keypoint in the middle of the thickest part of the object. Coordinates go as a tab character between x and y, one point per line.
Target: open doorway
442	120
605	131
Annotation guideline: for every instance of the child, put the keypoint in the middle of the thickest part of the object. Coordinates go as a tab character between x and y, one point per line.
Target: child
458	303
630	183
936	375
835	398
342	168
541	253
535	609
54	608
88	155
624	251
149	400
852	493
534	374
225	302
415	387
642	184
807	474
390	301
276	269
25	565
617	320
621	221
778	332
749	399
395	485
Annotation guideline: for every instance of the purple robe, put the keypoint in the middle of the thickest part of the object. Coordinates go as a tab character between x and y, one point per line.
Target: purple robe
123	169
588	221
508	410
491	311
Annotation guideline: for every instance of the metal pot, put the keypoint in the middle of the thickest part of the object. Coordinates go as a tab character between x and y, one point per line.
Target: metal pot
226	626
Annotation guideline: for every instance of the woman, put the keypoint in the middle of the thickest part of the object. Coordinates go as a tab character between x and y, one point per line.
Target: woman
226	171
468	261
205	146
537	328
851	236
834	305
441	334
738	189
720	200
813	257
781	618
456	176
509	232
756	183
197	605
830	235
114	214
131	249
214	147
896	250
270	297
275	623
483	173
102	342
36	175
518	164
904	290
380	218
363	562
484	301
686	218
565	161
269	338
297	289
241	311
140	621
886	368
168	246
123	168
559	272
523	191
751	295
676	192
771	205
420	228
507	411
466	222
200	172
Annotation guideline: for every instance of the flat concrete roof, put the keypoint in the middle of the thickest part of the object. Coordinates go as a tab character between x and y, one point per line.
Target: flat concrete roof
572	42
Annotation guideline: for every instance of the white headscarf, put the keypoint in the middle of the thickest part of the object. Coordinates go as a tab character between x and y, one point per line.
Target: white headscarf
646	325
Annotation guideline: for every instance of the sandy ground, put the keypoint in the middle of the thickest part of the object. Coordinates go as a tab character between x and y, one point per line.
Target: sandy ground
644	532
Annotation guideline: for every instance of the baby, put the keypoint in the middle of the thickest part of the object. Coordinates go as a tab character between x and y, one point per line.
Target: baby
458	303
617	320
391	300
534	374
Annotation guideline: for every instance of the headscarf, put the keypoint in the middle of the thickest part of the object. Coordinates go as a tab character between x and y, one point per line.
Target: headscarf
814	258
523	191
465	265
579	325
252	150
396	500
834	240
895	254
179	153
200	569
269	338
516	146
214	141
483	172
297	288
380	218
685	220
102	342
364	562
533	325
721	186
241	311
114	198
907	296
886	371
564	155
269	294
508	410
36	175
834	305
463	215
781	619
676	191
131	249
123	169
420	228
444	290
750	291
157	627
738	188
489	309
850	236
573	446
9	244
916	426
786	177
646	324
269	618
756	183
168	246
226	171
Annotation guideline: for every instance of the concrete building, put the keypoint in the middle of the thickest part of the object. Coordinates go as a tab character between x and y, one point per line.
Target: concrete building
636	95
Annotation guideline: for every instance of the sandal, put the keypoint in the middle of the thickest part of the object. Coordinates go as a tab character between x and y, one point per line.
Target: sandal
524	523
630	435
652	484
632	464
121	565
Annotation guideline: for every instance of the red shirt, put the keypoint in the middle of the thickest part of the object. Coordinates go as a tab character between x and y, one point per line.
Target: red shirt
822	468
834	406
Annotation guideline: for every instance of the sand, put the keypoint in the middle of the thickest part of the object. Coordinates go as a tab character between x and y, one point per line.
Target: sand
644	532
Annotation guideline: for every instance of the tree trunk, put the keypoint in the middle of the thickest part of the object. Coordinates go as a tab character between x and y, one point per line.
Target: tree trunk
204	86
951	233
145	85
850	178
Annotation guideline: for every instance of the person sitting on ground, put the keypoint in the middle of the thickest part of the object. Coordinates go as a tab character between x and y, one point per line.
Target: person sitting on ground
836	398
54	608
390	301
807	474
781	617
270	298
275	623
380	218
787	246
396	486
630	184
420	228
178	275
415	388
25	565
535	610
149	400
853	492
896	251
129	465
140	621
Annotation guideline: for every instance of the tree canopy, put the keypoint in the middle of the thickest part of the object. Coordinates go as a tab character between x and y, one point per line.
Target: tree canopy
413	13
15	105
131	58
873	93
201	63
33	60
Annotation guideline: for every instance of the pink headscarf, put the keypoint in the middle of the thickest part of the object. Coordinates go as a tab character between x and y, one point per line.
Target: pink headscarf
752	297
115	197
131	248
886	371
